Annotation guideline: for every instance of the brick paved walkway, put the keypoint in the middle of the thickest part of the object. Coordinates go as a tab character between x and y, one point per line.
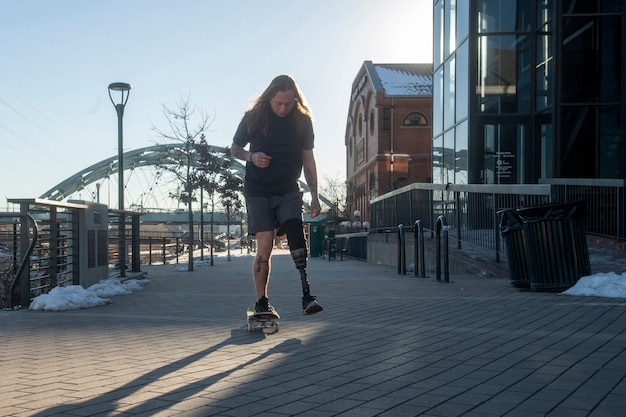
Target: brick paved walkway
179	347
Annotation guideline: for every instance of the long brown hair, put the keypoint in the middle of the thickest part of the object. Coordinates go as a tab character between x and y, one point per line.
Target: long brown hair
258	115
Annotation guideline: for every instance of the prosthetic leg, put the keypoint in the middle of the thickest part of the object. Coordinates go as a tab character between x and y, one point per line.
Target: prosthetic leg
297	246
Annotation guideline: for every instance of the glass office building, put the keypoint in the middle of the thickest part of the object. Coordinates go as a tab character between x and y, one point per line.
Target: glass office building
528	89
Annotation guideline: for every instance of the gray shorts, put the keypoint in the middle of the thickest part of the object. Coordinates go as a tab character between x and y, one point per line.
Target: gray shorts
267	213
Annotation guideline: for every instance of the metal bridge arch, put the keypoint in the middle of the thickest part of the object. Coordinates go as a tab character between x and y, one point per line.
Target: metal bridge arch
151	156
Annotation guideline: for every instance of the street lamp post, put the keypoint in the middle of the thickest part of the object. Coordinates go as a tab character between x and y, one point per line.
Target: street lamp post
124	89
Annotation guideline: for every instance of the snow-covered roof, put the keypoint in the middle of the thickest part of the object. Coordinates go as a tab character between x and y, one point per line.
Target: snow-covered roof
405	79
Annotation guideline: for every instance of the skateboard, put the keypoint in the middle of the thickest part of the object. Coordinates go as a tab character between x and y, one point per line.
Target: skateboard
262	321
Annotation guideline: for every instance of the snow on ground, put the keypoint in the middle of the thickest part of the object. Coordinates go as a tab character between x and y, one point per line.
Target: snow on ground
609	285
74	297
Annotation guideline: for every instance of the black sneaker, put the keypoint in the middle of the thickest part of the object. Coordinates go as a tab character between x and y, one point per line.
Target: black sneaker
263	306
310	305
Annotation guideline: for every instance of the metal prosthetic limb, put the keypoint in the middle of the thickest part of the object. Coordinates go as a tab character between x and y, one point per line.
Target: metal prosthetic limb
297	243
299	257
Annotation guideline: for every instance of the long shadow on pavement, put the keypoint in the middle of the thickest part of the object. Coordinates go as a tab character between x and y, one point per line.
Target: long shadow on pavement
108	401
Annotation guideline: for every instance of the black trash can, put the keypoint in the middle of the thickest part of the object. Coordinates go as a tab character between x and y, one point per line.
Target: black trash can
316	240
556	241
512	229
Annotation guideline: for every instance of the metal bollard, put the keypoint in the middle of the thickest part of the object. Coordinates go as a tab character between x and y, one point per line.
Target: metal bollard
442	228
401	251
418	236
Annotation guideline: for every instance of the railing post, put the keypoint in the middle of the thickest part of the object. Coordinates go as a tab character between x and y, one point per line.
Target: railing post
27	243
177	249
135	244
459	210
619	213
431	204
395	210
54	247
163	251
496	227
442	227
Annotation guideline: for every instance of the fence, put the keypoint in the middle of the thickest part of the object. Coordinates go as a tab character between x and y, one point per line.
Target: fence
18	238
471	212
606	203
471	209
349	245
51	261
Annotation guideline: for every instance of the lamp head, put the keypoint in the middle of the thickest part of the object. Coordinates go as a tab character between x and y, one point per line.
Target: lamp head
124	89
120	86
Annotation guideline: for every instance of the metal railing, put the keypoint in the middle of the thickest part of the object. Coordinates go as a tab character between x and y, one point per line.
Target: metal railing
131	240
606	203
18	237
352	245
52	261
472	209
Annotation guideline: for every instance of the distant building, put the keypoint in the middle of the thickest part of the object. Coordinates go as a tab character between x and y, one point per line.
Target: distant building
525	90
388	132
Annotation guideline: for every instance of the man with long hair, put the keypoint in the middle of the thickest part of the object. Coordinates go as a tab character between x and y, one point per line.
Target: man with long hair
279	131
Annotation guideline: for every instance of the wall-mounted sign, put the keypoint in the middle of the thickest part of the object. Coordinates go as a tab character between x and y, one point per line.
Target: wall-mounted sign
504	164
358	88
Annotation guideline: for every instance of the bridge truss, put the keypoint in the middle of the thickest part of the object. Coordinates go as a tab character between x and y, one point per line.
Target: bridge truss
147	186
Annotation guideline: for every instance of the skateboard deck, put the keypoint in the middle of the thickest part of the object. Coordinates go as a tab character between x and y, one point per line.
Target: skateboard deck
262	321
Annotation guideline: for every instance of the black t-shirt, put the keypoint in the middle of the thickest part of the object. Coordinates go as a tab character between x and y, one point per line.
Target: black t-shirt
284	145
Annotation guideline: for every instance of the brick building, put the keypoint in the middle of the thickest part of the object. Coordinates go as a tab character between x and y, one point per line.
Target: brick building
388	133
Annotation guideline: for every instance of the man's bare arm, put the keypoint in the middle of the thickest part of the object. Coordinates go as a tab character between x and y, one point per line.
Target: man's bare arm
239	152
257	158
310	175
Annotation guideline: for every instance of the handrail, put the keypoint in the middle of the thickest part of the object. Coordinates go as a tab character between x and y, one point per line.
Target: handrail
26	256
442	226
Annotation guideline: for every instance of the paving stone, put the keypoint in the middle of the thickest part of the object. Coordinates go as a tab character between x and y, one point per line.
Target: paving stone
180	347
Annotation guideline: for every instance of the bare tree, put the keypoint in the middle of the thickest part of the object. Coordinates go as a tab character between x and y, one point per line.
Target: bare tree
216	178
231	195
183	161
334	189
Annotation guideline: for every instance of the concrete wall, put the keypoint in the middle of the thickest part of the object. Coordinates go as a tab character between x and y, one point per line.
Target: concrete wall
382	249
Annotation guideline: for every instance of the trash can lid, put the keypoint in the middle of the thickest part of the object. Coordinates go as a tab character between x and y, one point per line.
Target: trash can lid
558	211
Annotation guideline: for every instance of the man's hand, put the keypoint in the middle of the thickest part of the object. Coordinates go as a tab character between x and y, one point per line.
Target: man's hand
315	208
260	159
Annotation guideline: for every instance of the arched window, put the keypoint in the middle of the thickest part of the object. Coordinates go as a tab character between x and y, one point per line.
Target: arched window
360	124
415	119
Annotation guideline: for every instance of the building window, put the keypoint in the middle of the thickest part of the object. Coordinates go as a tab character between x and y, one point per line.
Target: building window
503	16
360	153
371	121
386	121
415	119
360	124
504	74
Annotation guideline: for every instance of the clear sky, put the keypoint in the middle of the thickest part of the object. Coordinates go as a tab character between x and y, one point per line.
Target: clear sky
59	56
